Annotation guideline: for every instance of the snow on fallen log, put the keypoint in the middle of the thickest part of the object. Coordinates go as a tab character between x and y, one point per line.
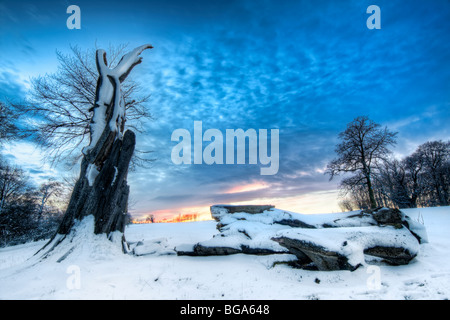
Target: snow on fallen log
240	232
341	241
345	248
81	243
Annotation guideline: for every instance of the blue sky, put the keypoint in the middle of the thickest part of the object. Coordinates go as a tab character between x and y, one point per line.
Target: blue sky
306	68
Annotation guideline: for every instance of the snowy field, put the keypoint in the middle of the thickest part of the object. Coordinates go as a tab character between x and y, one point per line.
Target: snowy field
99	270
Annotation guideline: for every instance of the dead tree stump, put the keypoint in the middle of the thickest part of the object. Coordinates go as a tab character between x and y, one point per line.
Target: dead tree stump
102	189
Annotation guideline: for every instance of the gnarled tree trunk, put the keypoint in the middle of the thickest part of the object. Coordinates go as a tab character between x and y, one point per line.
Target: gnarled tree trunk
102	189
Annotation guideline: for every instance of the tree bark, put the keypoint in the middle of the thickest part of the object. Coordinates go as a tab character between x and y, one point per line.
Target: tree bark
102	189
107	198
373	203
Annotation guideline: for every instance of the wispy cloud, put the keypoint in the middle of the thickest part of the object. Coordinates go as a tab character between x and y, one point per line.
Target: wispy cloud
304	67
11	87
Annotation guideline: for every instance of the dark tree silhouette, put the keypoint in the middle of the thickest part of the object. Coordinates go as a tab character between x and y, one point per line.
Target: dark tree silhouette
435	156
364	143
9	130
13	183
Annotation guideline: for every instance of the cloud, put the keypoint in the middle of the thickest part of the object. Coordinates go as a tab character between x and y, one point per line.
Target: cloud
28	156
11	87
306	68
259	74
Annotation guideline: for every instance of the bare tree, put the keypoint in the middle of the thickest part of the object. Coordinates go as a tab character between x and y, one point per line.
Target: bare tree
13	184
364	143
355	187
101	190
48	190
396	183
346	205
435	156
420	179
62	103
8	124
414	168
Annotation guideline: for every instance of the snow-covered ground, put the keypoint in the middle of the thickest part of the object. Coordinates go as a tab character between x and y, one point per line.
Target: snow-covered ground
98	270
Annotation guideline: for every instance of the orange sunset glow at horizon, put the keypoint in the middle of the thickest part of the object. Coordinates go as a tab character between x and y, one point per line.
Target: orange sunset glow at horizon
309	203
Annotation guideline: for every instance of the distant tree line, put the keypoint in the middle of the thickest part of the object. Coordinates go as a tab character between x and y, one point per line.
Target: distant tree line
27	212
421	179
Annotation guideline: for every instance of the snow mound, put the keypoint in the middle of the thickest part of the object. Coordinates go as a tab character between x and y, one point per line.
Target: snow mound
156	247
82	243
